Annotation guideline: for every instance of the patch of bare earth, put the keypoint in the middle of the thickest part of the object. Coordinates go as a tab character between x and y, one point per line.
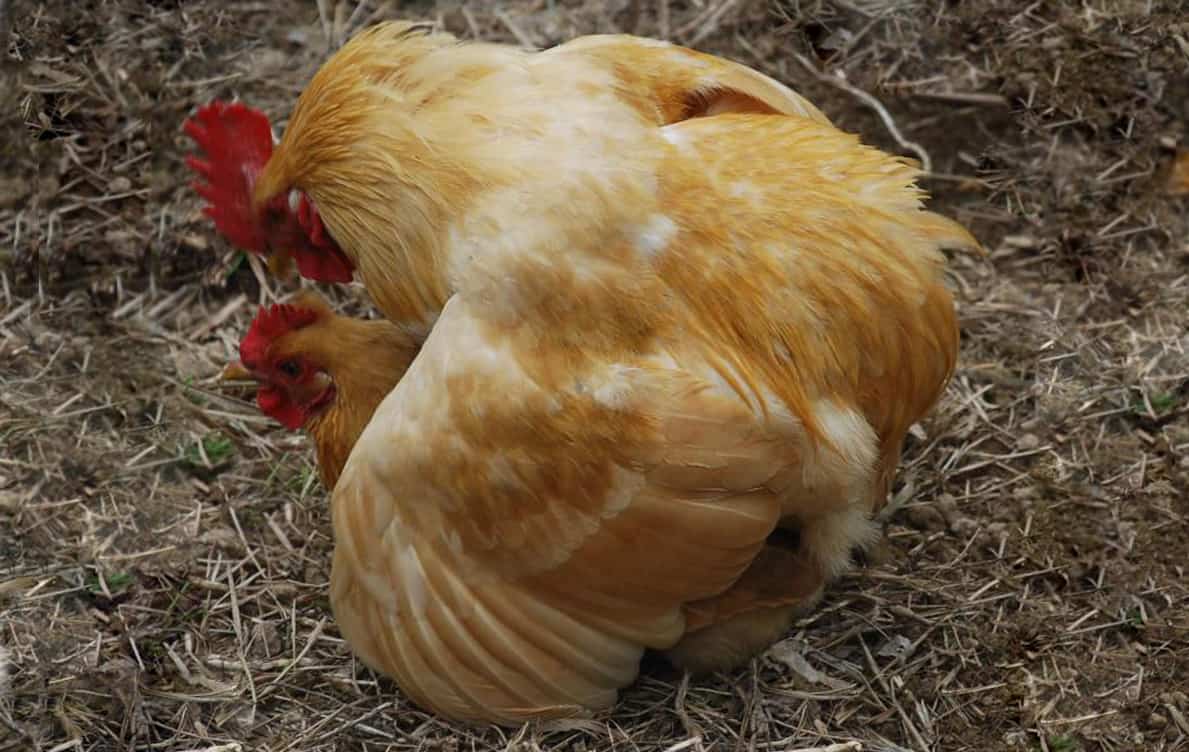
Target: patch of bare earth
164	549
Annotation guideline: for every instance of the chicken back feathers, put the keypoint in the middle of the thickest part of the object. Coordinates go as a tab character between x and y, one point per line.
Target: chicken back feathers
667	307
439	114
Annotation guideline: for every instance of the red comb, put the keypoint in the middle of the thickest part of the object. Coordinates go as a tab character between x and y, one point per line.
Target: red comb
236	142
269	324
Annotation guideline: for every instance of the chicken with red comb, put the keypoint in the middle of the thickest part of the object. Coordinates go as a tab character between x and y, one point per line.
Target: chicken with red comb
321	372
283	390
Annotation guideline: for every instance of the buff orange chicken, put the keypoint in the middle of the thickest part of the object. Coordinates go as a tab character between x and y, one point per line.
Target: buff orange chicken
321	372
327	373
665	310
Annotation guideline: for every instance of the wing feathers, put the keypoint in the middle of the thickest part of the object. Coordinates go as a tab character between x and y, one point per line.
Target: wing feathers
427	582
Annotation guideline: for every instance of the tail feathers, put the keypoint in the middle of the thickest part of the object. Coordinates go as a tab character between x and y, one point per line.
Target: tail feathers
949	235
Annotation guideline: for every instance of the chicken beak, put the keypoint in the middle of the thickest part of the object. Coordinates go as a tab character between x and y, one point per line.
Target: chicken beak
235	371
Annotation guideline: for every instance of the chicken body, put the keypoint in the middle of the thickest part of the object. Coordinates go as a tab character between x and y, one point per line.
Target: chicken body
658	322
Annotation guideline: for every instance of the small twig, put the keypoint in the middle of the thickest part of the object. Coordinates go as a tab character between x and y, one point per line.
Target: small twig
873	103
964	97
472	22
4	718
324	17
711	23
266	292
521	35
662	19
692	728
883	682
314	635
843	747
5	27
354	18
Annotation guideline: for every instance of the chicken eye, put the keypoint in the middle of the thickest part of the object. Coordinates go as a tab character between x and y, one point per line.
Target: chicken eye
290	368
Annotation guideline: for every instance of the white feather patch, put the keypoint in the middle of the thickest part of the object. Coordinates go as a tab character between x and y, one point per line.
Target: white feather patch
655	235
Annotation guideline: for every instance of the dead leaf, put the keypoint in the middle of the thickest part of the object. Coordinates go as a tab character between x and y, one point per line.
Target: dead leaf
1178	181
788	652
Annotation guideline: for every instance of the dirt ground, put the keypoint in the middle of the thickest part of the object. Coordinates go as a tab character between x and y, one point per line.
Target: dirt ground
164	549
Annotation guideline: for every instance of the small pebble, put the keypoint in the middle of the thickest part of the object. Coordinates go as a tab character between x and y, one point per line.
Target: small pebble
965	526
948	506
926	517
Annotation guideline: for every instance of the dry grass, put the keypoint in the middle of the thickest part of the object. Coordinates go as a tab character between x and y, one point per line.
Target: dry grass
164	549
